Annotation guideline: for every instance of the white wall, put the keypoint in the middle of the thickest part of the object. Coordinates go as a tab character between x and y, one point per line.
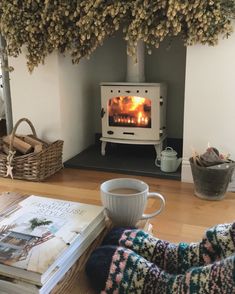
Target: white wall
209	111
35	96
76	119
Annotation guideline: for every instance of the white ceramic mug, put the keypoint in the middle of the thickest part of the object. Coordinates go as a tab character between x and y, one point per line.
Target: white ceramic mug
125	200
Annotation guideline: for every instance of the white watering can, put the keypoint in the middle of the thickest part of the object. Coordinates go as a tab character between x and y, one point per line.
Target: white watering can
169	161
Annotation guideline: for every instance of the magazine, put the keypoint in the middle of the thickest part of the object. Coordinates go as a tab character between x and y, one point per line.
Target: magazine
14	286
38	234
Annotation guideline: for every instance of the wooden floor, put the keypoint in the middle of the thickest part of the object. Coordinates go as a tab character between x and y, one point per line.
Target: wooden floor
185	216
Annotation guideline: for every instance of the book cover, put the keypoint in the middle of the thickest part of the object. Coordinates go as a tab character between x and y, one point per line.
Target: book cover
65	274
38	231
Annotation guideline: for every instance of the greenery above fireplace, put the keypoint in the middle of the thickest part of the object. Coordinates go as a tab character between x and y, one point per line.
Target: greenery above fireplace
79	27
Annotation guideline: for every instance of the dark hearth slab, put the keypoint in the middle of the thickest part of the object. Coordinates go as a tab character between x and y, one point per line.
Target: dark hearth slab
121	158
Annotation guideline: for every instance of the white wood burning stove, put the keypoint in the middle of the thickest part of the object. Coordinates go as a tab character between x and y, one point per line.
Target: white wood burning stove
133	113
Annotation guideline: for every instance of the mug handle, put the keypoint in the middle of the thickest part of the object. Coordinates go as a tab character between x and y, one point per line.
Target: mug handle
154	195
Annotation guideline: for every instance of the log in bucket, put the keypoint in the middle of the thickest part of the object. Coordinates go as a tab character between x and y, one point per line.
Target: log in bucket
211	183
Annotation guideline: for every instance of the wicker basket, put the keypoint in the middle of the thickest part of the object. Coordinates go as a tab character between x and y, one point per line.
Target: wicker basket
32	166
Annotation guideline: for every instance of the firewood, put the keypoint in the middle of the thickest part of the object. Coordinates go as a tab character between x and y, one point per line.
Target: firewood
44	143
18	144
5	148
38	148
33	141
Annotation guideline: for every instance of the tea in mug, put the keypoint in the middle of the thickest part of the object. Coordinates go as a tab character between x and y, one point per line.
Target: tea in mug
124	191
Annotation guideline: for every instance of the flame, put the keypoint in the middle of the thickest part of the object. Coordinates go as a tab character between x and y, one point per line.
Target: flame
139	117
136	102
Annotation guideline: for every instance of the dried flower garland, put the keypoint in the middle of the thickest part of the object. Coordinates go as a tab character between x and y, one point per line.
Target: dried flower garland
79	27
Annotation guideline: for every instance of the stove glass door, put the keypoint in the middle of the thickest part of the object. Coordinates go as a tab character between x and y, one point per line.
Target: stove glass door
129	111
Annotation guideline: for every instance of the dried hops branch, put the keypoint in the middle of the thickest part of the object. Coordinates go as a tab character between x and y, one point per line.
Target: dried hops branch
79	27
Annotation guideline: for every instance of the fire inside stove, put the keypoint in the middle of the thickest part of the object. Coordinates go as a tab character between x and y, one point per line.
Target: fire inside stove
129	111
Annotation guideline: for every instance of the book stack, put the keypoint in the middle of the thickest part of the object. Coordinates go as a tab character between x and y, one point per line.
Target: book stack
41	239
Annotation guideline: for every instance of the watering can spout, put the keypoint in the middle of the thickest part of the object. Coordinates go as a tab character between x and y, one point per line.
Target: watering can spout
178	162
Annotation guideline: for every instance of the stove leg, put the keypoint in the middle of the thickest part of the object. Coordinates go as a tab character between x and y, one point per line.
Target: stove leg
158	149
103	146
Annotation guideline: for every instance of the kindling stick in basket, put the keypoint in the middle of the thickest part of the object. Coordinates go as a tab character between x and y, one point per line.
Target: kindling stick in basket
33	141
18	144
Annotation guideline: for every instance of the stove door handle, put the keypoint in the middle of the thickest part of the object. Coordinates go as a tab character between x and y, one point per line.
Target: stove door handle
102	112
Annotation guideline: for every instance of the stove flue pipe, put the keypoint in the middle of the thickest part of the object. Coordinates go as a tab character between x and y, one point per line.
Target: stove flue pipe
135	70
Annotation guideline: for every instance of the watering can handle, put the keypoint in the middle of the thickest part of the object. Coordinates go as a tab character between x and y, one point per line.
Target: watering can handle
156	162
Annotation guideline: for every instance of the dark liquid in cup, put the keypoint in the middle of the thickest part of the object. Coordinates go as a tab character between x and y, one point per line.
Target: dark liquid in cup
124	191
